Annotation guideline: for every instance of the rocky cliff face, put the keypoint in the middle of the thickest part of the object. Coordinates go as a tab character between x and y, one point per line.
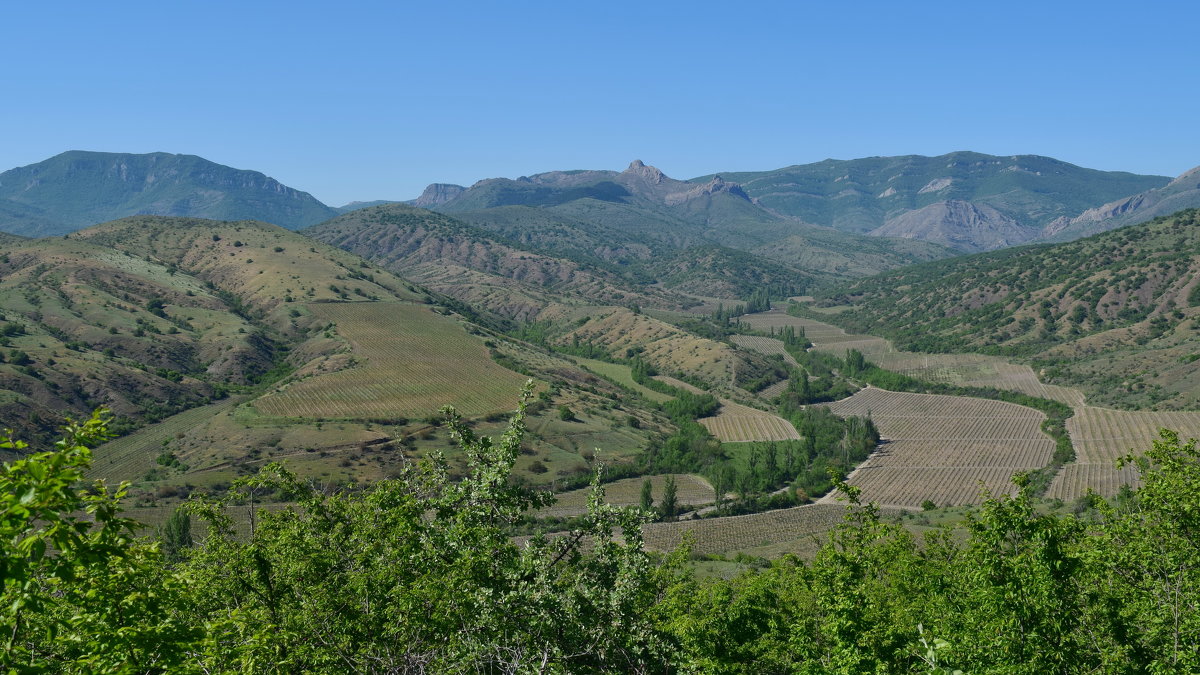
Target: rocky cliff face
960	225
437	194
1181	193
715	186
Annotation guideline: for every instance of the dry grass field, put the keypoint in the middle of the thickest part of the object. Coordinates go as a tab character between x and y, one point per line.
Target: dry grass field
944	448
736	423
414	361
692	490
1101	435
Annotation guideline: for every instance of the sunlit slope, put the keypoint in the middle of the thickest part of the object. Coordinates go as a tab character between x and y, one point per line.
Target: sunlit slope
1114	315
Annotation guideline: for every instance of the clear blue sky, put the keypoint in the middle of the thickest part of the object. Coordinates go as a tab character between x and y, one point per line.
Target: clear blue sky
373	100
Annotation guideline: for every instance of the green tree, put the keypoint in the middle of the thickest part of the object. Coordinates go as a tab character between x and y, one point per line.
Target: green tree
669	505
102	602
647	500
177	535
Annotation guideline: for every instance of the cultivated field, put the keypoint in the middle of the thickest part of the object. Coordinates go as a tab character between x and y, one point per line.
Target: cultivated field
679	384
735	423
975	370
413	362
764	345
944	448
130	457
822	335
728	535
691	490
1101	436
965	370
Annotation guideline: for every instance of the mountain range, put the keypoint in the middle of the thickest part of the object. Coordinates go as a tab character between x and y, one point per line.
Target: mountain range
953	203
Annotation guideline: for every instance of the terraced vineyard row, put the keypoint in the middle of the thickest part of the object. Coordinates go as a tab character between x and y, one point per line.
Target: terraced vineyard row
415	362
726	535
692	490
1101	435
944	448
1074	480
738	423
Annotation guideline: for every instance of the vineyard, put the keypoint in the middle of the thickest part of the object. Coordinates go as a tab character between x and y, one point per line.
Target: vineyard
132	456
412	362
944	448
822	335
975	370
692	490
964	370
1101	436
738	423
764	345
734	533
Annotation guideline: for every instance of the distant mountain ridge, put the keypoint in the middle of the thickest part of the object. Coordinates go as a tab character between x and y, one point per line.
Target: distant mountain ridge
1181	193
77	189
967	200
964	200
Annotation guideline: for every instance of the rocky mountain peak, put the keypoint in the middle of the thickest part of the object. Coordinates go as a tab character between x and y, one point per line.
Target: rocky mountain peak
650	173
712	187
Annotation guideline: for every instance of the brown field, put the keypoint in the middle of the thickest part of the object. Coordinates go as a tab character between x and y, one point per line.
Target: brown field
735	423
415	362
1101	435
692	490
975	370
800	524
944	448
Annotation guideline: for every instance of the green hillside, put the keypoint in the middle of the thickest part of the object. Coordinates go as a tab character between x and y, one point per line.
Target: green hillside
77	189
861	195
1115	314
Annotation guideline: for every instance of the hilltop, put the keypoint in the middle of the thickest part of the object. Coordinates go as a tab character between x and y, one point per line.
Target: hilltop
76	189
1114	314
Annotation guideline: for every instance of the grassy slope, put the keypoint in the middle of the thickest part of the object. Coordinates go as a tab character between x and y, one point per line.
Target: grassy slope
1114	314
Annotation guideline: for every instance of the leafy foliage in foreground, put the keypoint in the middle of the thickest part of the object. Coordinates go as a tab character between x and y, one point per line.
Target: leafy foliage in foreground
419	575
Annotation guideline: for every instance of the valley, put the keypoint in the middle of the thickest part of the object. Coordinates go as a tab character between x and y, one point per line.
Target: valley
653	317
